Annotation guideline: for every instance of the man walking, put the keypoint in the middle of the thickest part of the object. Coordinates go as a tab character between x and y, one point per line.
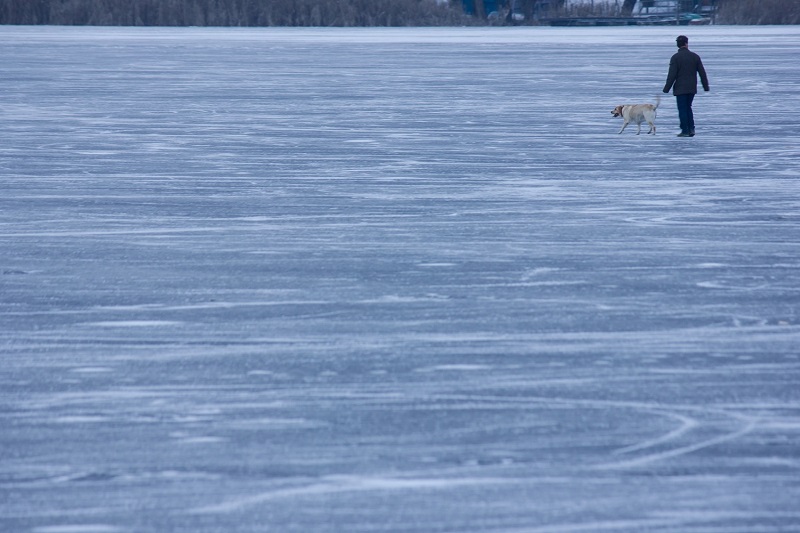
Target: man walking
682	79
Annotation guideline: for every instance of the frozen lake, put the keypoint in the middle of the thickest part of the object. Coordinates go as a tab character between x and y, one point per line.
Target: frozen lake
397	280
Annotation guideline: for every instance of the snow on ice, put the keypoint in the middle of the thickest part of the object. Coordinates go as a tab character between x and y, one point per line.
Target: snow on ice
396	280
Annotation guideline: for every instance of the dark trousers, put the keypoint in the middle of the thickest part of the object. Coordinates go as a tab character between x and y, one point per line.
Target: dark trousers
685	114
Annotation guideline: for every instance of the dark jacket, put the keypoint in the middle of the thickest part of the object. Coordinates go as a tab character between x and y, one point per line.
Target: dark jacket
683	70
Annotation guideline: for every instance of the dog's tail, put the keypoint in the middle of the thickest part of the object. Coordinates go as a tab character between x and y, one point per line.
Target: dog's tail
658	100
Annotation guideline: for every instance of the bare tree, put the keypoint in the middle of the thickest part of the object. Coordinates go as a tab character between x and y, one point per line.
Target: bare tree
627	7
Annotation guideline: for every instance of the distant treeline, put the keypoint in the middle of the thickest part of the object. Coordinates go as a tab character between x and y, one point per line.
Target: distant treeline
759	12
728	11
233	12
339	12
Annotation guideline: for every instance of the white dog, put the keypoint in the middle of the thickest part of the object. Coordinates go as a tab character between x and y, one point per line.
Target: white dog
638	113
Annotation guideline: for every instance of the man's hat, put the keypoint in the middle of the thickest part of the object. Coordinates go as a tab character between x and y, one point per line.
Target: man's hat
682	40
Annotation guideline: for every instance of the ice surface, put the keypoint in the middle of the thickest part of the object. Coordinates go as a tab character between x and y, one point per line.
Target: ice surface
396	280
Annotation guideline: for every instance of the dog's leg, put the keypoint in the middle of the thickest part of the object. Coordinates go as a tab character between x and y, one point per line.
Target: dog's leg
624	125
638	128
